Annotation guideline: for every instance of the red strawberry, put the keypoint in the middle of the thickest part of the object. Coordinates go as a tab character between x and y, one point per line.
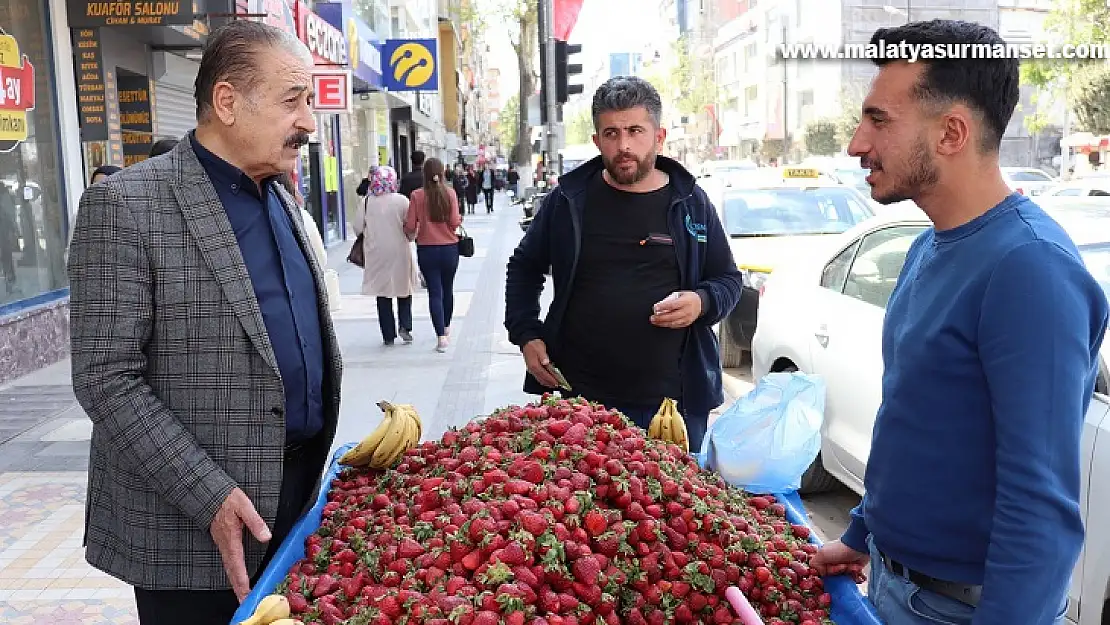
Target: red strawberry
325	585
575	435
586	570
409	549
595	523
487	617
513	554
533	522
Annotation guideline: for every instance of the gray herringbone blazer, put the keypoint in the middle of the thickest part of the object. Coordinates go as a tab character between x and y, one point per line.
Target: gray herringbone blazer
172	362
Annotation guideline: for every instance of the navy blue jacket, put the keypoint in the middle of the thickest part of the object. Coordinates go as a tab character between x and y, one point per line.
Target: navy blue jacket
554	241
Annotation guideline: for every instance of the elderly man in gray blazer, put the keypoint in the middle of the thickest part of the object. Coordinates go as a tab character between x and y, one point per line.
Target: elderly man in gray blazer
202	346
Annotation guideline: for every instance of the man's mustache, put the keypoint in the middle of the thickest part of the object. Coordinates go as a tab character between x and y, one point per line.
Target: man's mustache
297	140
868	163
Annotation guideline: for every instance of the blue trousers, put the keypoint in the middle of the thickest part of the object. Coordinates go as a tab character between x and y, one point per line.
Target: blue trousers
899	601
439	263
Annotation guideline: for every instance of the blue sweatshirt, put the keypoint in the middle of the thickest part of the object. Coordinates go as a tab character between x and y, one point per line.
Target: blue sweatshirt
990	347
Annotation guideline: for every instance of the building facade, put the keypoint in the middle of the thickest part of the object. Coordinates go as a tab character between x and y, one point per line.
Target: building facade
98	89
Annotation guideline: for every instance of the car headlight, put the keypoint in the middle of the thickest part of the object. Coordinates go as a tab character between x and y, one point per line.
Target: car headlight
753	278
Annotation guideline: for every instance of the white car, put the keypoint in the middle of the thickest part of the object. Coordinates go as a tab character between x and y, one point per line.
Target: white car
1027	180
1089	187
823	314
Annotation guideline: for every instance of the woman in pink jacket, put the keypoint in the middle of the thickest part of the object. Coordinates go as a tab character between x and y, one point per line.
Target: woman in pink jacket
433	218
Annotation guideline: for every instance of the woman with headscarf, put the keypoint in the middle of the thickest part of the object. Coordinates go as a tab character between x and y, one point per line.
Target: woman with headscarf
388	271
433	218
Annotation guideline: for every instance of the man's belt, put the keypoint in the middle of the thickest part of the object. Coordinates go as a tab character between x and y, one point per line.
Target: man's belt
964	593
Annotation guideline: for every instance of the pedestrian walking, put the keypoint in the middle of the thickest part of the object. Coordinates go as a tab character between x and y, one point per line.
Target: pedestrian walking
990	354
433	218
513	178
473	184
642	271
202	347
459	183
414	179
488	187
388	271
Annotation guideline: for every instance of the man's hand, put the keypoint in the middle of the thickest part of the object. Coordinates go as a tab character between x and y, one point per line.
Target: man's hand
236	512
535	358
836	558
678	310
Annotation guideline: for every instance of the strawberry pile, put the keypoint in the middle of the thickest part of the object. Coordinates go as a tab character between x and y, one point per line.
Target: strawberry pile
557	513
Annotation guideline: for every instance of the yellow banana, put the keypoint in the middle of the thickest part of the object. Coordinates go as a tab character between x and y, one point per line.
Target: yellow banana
665	429
271	609
679	425
393	440
360	455
656	422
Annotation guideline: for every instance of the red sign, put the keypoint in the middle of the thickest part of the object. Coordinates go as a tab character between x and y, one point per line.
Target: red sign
326	42
333	91
17	87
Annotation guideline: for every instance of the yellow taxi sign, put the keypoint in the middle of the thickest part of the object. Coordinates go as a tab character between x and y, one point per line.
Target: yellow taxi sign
800	172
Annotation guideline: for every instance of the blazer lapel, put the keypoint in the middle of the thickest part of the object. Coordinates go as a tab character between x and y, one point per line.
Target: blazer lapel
207	221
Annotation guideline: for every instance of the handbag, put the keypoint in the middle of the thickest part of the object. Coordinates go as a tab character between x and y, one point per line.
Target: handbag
357	256
466	244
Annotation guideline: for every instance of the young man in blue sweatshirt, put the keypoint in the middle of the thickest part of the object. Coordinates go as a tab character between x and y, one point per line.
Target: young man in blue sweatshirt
642	269
990	347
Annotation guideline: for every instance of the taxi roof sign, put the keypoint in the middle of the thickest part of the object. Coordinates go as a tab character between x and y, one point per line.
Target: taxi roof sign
800	172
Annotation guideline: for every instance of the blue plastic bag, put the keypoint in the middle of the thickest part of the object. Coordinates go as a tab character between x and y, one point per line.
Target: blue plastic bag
766	440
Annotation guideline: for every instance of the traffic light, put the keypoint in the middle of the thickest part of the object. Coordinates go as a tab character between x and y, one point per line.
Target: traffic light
564	70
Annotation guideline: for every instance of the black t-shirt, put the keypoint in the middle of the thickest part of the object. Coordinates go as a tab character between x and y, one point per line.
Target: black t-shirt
609	351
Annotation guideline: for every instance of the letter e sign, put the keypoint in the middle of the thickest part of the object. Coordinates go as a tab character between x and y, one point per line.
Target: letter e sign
333	91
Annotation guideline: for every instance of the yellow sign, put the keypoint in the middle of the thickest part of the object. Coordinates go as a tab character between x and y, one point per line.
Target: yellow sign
17	93
412	64
352	42
331	174
795	172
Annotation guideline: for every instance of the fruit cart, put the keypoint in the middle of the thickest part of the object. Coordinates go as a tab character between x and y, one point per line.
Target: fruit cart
848	607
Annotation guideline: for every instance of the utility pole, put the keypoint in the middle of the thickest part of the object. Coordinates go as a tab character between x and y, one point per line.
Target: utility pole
547	37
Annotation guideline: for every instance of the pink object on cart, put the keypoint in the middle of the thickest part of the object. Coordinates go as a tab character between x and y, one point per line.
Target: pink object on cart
747	614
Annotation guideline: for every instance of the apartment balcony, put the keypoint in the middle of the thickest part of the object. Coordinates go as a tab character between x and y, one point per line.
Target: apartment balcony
450	10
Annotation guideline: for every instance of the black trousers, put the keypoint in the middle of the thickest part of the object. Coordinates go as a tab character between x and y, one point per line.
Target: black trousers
216	607
489	199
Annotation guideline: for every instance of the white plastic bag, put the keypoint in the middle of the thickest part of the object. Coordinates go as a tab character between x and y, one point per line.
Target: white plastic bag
766	440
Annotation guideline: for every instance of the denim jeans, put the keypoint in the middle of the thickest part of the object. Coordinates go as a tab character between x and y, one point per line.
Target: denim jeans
899	601
439	263
386	320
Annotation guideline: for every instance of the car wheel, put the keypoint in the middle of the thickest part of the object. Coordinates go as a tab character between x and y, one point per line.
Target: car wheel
732	355
817	480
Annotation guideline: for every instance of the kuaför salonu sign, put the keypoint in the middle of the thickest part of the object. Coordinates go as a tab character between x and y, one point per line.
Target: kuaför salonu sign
93	13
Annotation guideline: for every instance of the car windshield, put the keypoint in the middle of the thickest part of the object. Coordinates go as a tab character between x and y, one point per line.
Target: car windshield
855	178
793	211
1029	176
1097	259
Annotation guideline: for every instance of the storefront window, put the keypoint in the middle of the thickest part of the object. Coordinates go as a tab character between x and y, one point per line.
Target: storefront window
32	207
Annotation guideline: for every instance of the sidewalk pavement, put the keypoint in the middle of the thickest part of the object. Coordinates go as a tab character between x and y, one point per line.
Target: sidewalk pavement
44	434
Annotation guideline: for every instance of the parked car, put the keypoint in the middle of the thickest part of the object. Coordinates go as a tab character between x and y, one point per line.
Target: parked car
823	314
1027	180
771	222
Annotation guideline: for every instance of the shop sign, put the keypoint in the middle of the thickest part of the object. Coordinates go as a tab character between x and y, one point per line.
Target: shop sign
135	117
91	105
364	53
324	41
93	13
332	91
412	65
17	93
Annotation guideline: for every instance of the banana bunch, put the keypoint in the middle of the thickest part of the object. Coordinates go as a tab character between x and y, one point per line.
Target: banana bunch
273	610
668	425
398	432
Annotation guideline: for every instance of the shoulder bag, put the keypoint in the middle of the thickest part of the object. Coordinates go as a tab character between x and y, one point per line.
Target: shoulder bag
357	257
466	244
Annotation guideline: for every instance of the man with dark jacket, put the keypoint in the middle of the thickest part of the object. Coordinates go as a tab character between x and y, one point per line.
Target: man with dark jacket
415	178
642	271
